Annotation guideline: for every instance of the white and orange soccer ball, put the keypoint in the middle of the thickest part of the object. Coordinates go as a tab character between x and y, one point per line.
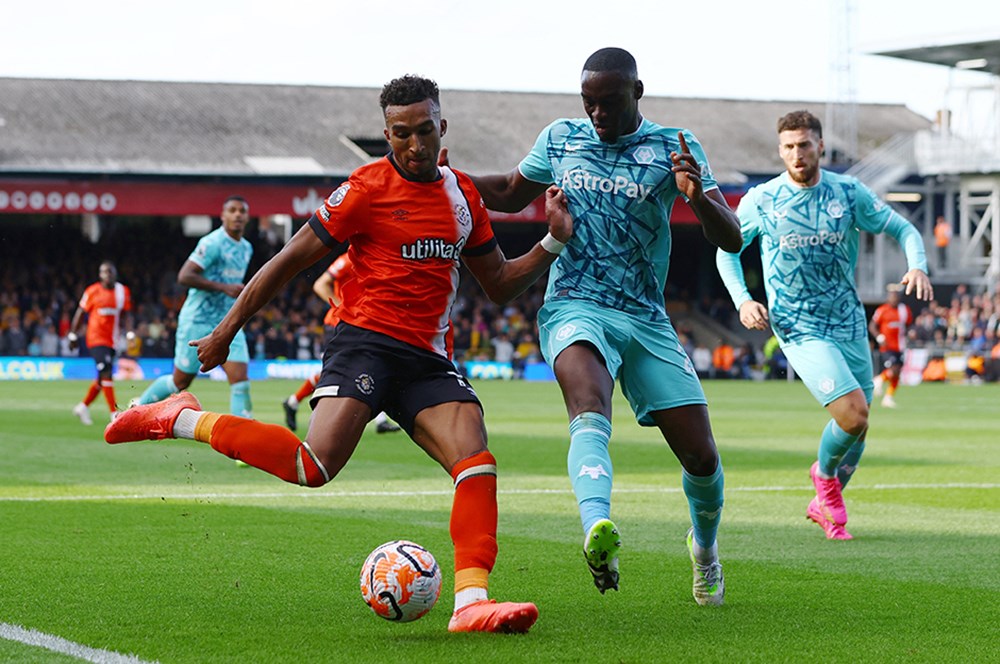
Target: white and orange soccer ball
400	581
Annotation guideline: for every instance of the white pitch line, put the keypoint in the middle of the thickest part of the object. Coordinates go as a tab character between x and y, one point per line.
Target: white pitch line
60	645
217	495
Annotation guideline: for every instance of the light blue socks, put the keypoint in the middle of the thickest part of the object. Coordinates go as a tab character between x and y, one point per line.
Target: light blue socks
161	388
589	466
705	499
833	447
845	471
239	399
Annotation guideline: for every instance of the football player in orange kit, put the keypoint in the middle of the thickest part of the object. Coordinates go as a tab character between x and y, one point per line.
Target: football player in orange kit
104	302
409	223
888	326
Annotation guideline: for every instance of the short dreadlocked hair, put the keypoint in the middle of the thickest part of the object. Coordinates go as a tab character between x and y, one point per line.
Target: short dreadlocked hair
407	90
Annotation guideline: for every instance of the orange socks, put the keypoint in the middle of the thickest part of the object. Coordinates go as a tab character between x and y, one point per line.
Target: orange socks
306	389
108	387
474	520
272	448
95	389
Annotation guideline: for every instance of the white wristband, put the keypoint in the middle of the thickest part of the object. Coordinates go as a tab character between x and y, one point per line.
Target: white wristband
72	336
552	245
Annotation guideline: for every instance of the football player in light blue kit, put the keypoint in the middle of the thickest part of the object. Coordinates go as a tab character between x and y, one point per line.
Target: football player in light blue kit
604	318
807	220
214	275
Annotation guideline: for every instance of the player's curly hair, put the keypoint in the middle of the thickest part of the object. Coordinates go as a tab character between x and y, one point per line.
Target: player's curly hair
407	90
800	120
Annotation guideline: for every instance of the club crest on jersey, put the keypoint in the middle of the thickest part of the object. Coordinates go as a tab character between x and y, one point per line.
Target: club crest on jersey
835	208
644	155
365	383
337	197
463	217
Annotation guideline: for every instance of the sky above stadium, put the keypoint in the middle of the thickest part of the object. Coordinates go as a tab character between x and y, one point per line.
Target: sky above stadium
766	49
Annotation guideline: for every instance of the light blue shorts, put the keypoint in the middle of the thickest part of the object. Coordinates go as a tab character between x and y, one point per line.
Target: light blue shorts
186	357
645	357
831	369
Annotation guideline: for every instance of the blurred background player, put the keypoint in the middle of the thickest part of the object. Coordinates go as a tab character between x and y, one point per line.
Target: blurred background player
213	274
604	317
410	224
329	287
105	303
808	220
888	326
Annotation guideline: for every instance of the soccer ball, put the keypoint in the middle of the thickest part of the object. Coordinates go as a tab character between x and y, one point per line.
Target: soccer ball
400	581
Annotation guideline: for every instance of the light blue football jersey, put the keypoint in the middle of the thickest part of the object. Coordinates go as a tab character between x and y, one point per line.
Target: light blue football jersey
224	260
809	250
620	196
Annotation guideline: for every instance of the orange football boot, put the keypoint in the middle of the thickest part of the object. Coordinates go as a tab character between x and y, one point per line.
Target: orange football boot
490	616
153	421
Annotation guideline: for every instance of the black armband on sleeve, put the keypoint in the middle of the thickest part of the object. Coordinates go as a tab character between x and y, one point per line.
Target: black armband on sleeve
481	250
317	226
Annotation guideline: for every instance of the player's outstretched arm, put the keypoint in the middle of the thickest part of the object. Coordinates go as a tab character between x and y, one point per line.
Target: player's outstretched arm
191	276
915	280
718	222
323	287
503	279
304	249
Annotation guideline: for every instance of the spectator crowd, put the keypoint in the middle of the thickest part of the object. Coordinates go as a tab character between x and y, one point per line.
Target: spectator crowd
42	282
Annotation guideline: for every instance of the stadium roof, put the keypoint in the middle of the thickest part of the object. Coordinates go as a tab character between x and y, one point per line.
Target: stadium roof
980	54
141	128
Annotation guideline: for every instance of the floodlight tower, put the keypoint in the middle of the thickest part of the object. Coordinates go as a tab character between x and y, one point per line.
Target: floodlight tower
841	123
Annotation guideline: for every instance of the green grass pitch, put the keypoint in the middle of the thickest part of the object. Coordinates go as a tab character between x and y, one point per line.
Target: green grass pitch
169	552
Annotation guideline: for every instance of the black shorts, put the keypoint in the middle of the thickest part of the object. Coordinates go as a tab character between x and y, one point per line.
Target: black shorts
388	375
104	358
892	358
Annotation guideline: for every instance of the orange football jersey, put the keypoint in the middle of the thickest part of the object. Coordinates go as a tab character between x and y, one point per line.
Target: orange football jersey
891	323
104	307
406	241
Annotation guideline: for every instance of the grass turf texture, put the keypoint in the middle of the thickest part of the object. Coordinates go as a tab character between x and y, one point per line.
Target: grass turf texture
170	552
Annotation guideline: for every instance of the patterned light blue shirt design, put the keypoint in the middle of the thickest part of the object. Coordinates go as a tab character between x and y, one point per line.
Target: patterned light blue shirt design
809	250
224	260
620	196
